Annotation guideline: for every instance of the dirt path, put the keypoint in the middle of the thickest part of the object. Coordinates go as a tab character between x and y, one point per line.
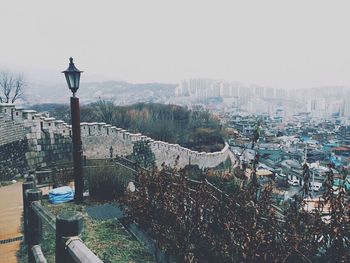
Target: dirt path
11	208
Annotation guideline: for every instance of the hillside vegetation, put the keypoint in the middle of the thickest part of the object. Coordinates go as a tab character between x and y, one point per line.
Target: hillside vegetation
197	130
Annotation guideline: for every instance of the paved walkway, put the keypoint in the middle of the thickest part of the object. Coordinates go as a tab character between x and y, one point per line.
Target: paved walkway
11	208
105	212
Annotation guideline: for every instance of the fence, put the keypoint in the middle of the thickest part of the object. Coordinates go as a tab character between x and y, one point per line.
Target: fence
69	247
54	177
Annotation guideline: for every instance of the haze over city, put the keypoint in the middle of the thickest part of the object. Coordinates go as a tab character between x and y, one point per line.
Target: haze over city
281	44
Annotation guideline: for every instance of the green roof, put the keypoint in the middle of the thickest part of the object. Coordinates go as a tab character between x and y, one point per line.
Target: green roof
340	182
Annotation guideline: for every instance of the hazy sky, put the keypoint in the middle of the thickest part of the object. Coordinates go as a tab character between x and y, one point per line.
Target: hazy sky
278	43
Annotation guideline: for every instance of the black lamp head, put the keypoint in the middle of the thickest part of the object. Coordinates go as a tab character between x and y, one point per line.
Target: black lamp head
72	75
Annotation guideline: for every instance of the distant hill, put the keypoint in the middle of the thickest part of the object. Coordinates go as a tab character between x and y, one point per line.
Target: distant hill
120	92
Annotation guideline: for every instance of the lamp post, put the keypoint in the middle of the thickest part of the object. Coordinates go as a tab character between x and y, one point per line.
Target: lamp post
72	75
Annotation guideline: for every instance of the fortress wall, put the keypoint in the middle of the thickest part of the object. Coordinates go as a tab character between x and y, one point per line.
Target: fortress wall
12	159
49	141
98	138
168	153
29	140
11	128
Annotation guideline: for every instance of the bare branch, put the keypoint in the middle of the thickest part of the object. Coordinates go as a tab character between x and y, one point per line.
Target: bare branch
18	91
11	87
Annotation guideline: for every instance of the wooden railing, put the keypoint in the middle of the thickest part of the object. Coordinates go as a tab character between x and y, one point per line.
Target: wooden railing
68	227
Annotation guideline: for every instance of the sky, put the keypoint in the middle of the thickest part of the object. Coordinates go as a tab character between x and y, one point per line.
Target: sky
282	44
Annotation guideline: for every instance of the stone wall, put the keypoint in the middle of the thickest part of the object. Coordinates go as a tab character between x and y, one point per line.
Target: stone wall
49	141
11	128
12	159
97	138
168	153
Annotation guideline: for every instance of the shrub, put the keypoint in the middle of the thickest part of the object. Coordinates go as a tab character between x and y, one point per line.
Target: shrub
198	223
62	176
107	182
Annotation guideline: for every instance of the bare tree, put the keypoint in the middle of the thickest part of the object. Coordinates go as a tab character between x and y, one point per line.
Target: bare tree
105	111
11	87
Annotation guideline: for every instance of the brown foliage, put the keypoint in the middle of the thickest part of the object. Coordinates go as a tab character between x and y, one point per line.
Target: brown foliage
199	223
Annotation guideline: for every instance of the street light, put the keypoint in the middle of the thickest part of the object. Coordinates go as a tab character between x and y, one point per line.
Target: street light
72	75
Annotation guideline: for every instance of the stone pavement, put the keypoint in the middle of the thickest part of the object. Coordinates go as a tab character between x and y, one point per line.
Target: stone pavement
11	208
104	212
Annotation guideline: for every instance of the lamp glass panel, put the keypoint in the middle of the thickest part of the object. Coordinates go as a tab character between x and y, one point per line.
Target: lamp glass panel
72	80
77	79
68	81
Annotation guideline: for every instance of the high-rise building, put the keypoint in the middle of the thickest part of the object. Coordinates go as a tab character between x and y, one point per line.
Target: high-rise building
269	93
280	94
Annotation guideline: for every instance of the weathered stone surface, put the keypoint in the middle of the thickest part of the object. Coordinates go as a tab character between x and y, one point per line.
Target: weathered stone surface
26	144
13	159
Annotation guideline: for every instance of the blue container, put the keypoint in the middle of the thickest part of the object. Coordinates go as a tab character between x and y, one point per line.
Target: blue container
61	195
